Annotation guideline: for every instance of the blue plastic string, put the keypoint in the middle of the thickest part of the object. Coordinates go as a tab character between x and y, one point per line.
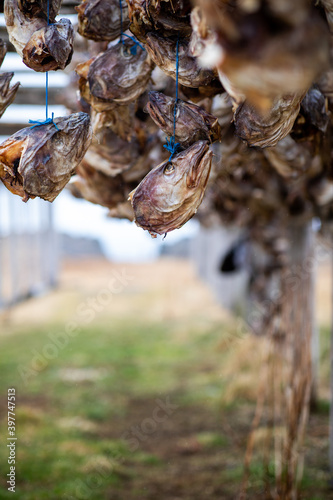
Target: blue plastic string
122	34
172	146
38	123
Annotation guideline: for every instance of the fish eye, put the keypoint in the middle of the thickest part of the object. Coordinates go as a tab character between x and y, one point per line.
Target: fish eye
168	169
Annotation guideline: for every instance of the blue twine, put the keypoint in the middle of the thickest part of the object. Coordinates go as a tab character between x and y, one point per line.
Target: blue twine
172	146
47	120
122	34
38	123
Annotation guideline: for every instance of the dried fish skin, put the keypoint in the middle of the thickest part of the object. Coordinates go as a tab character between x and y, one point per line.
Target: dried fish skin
328	6
289	158
39	161
120	120
204	40
199	93
110	154
171	193
98	188
43	47
7	93
268	128
163	53
285	63
20	27
40	8
119	76
3	50
122	211
141	22
100	20
170	16
155	15
313	108
50	48
193	123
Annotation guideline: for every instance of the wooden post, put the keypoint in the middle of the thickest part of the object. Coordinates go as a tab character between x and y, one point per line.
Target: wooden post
331	381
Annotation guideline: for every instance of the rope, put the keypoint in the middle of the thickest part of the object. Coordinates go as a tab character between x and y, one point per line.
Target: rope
122	34
38	123
171	145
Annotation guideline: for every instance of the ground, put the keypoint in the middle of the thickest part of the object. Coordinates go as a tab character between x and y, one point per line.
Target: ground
132	383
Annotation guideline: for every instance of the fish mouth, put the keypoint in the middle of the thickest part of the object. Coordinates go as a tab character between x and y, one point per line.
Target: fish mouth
200	164
157	108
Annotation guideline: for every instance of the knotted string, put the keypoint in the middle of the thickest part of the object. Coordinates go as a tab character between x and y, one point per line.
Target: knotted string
47	120
172	146
122	34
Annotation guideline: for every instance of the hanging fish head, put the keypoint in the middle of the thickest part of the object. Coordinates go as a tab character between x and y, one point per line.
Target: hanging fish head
171	193
161	109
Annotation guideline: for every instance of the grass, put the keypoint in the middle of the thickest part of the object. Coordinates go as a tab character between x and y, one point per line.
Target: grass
78	418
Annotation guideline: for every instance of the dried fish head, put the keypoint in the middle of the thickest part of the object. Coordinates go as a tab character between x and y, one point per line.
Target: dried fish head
39	161
110	154
193	123
101	19
7	93
163	52
20	27
265	129
141	23
98	188
204	40
50	48
170	16
3	50
314	109
171	193
120	74
286	62
40	8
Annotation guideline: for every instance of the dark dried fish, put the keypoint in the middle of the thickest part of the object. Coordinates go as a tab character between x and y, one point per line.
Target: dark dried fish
163	52
287	62
98	188
193	123
171	193
118	75
141	23
328	6
40	8
3	51
19	26
166	17
265	129
170	16
314	109
43	47
7	93
101	19
122	211
39	161
120	120
50	48
110	154
288	157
